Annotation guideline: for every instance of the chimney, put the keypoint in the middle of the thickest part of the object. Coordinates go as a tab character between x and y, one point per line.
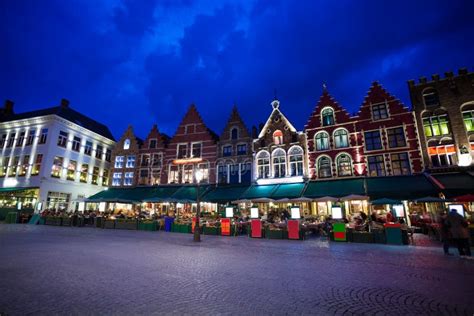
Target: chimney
64	103
8	108
254	132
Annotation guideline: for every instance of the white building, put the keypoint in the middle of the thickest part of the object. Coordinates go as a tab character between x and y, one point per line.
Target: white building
51	158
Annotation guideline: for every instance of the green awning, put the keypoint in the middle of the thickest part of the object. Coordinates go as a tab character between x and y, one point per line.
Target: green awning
187	194
338	188
400	187
455	184
259	191
224	194
289	190
159	193
384	201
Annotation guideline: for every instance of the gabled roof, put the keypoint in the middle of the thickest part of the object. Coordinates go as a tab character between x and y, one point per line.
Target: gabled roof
276	104
234	119
192	116
67	113
377	93
326	99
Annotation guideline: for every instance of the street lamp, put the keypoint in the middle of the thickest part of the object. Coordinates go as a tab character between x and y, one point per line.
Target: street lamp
197	234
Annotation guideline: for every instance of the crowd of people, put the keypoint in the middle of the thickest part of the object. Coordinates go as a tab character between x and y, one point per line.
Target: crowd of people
455	232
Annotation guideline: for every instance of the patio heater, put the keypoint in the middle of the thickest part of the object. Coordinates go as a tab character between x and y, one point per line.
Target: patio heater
198	175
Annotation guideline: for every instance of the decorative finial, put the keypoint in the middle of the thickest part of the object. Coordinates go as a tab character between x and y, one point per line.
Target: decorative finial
325	87
275	104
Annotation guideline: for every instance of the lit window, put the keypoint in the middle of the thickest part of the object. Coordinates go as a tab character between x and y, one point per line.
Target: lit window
173	174
24	166
128	181
278	137
400	164
105	177
117	179
95	175
372	140
279	163
376	166
126	144
156	161
188	174
71	170
322	141
341	139
379	111
3	170
263	165
130	162
443	155
119	161
327	116
430	97
324	167
468	117
436	125
57	167
295	156
204	168
344	166
37	165
85	172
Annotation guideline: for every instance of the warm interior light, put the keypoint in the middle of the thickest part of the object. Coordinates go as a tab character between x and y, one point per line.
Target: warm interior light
199	175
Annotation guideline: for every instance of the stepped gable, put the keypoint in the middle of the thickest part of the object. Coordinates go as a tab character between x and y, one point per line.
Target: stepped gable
192	117
378	94
135	142
326	99
161	139
235	120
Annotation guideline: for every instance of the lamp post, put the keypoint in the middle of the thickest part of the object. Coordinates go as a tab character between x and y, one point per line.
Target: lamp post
197	234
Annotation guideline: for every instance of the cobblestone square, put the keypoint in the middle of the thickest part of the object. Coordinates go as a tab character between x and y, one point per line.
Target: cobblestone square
62	270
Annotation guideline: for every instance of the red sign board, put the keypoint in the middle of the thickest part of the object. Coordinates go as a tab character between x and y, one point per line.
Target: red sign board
256	226
225	227
293	229
193	224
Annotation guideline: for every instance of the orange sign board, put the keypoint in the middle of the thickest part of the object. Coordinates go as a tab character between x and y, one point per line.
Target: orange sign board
225	227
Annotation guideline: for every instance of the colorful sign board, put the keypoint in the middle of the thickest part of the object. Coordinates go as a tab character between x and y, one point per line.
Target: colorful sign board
459	208
339	230
256	226
337	212
295	213
225	227
229	212
254	212
293	229
399	210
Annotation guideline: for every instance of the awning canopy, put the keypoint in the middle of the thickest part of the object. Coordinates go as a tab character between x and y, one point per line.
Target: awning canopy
465	198
188	194
431	199
384	201
224	194
335	188
456	184
259	191
288	190
159	194
400	187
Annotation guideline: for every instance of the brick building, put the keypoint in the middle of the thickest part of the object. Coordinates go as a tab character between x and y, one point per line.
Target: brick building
279	151
125	160
234	163
150	169
444	109
193	145
380	140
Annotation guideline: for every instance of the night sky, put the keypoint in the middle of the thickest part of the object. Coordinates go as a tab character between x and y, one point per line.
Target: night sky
144	62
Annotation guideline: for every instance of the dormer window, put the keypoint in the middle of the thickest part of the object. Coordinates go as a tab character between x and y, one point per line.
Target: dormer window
327	116
126	144
379	111
430	97
234	134
278	137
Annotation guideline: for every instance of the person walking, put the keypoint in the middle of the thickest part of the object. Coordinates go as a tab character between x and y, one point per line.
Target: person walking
458	227
445	234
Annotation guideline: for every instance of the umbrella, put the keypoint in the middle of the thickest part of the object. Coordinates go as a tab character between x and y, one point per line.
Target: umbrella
301	199
285	200
262	200
430	199
384	201
354	197
465	198
327	199
241	201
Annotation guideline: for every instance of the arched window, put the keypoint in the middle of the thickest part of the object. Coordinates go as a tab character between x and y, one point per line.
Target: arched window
324	167
341	139
295	156
278	137
279	163
322	141
344	166
263	165
327	116
234	133
430	97
126	144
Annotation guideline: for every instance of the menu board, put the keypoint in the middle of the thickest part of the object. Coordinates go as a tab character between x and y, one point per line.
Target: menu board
459	208
254	212
229	212
336	212
225	227
399	210
295	213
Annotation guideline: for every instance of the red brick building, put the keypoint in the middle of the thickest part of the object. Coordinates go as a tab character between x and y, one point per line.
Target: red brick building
124	160
152	151
380	140
194	145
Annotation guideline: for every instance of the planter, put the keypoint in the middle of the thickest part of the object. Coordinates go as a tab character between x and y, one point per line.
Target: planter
65	221
99	222
42	221
379	236
53	221
109	224
11	218
394	235
363	237
126	224
274	233
210	230
148	226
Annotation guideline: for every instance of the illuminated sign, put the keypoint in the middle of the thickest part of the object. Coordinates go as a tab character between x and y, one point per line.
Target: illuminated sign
399	210
10	182
186	160
295	179
254	212
295	213
337	212
229	212
458	208
102	207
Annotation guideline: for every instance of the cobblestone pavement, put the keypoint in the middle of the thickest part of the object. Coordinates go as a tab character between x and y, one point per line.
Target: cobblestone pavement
62	270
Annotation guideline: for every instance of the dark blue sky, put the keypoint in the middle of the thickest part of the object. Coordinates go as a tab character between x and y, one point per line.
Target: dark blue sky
144	62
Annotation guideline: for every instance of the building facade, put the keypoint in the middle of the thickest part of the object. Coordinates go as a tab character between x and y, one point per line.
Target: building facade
193	146
444	110
234	162
380	140
52	158
150	169
280	154
125	157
